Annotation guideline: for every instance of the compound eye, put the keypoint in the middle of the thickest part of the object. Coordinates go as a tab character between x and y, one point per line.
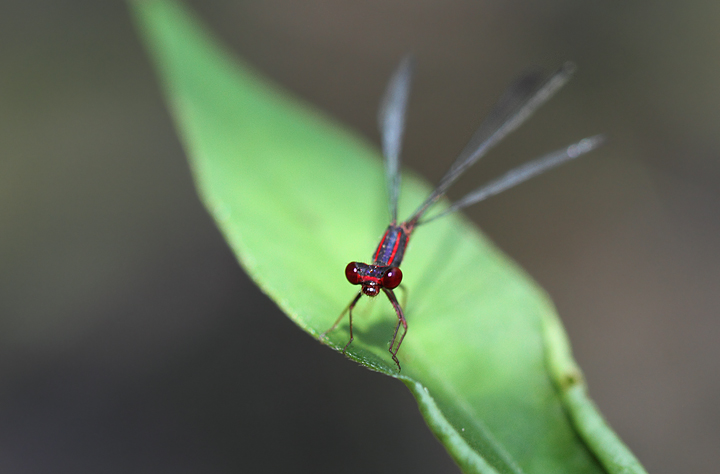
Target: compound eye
351	273
392	278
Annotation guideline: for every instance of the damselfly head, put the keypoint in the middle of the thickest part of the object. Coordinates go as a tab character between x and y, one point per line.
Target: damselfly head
373	277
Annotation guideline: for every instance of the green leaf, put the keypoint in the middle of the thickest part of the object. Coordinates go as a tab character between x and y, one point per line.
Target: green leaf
297	197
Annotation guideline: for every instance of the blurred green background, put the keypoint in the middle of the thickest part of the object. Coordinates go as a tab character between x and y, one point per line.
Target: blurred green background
130	339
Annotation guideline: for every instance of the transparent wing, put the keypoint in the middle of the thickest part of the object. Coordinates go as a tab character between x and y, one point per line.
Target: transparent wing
523	173
391	122
516	105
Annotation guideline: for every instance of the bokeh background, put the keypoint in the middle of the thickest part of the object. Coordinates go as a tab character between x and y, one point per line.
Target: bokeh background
130	339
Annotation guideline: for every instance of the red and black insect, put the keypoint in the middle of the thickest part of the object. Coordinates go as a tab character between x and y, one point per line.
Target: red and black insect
520	100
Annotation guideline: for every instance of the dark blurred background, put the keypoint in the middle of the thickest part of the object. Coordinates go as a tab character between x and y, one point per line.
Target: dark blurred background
130	339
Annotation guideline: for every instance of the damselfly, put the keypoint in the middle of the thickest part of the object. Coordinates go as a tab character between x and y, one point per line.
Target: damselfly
520	100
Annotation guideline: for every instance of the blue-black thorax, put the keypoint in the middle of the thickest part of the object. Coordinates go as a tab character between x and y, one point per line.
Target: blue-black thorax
391	249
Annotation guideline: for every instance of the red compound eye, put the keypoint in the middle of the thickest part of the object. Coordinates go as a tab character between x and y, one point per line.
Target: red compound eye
392	278
351	273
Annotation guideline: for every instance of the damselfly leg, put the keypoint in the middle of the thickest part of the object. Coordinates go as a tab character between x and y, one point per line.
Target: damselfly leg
348	310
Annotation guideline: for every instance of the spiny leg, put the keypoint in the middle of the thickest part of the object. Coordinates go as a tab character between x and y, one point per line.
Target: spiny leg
401	320
349	311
